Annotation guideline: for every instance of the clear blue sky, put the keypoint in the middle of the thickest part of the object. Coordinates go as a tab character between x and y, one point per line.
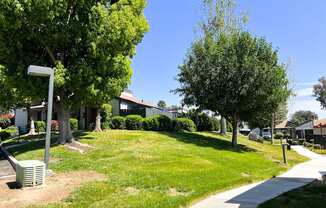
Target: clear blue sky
296	28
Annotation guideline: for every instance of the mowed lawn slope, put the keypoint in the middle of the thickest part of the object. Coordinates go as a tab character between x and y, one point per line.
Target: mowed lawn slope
157	169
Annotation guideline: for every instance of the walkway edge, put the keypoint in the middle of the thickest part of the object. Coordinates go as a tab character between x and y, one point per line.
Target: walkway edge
9	157
251	195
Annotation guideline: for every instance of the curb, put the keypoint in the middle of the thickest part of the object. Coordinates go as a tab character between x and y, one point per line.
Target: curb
9	157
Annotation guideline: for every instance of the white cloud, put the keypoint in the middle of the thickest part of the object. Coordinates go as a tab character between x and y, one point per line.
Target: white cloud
305	103
304	92
304	100
303	84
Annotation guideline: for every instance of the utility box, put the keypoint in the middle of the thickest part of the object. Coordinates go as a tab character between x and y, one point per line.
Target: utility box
30	173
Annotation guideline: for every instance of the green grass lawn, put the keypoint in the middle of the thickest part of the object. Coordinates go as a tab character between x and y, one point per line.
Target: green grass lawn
194	164
310	196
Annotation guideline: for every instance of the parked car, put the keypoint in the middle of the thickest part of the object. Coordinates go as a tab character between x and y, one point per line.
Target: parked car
266	134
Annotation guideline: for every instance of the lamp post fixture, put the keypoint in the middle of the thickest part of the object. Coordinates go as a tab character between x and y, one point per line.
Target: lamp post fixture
45	72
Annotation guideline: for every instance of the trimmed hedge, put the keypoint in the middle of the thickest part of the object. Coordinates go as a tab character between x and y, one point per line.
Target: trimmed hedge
4	135
165	122
134	122
73	124
40	126
118	122
184	124
151	123
278	135
4	122
157	123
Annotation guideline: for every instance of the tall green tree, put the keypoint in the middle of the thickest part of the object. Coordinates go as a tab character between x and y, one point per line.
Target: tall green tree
161	104
302	116
320	92
236	75
90	45
221	18
266	119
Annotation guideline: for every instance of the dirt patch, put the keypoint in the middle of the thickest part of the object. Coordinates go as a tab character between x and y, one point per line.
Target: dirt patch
175	192
57	187
77	146
132	190
246	175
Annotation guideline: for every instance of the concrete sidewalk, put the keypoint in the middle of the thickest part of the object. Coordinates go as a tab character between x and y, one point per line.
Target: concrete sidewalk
250	196
5	167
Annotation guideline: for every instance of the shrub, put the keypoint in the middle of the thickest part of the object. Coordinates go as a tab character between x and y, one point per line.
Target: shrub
12	130
279	136
229	126
106	112
215	124
106	125
118	122
40	126
151	123
260	139
73	124
4	122
4	135
165	123
184	124
307	144
202	122
134	122
54	125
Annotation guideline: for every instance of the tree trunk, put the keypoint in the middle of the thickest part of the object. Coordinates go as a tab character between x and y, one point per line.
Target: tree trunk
32	127
235	132
98	121
223	126
272	128
65	133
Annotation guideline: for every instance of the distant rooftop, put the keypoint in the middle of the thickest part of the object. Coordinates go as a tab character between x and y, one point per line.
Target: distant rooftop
128	95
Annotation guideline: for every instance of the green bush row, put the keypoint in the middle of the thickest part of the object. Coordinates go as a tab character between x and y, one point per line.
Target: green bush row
204	122
4	135
153	123
40	126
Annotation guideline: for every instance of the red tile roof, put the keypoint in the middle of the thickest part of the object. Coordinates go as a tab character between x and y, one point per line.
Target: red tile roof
135	100
321	123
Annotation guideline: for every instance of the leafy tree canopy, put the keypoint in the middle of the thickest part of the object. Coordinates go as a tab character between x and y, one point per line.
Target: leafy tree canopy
264	119
90	44
161	104
236	75
320	92
300	117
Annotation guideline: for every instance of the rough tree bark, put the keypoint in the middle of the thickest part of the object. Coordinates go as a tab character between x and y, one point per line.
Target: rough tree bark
235	131
31	122
272	127
223	126
98	121
32	126
65	133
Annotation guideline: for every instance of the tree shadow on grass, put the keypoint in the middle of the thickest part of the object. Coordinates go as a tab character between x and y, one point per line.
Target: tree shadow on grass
34	144
30	146
207	141
83	135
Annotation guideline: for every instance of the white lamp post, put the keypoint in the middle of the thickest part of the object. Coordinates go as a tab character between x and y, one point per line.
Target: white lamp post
45	72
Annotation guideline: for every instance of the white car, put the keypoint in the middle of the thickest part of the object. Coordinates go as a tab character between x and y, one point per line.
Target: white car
266	134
